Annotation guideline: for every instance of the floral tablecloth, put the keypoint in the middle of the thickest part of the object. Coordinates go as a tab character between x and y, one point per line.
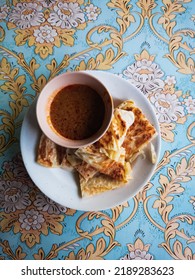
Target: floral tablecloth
152	45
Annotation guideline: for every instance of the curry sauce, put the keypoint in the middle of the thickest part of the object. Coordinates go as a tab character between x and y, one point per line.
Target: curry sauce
77	112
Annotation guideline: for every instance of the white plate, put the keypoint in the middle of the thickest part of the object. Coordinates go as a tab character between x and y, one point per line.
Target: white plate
61	185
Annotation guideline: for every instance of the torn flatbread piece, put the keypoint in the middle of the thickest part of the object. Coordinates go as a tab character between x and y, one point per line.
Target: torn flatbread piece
139	134
98	184
111	142
116	169
50	154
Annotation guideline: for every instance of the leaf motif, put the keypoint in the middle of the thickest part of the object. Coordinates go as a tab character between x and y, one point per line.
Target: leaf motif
13	73
40	83
167	131
171	173
22	36
52	66
191	165
8	125
177	247
53	253
122	25
169	28
66	36
185	67
156	204
40	255
117	40
170	231
19	254
175	43
109	229
34	65
139	245
188	253
130	247
30	238
163	180
116	211
10	25
101	62
91	252
165	213
70	212
71	256
5	66
182	120
20	81
15	110
53	222
44	50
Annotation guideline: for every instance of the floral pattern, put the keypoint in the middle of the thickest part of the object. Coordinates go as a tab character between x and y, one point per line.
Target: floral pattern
151	45
26	15
46	24
48	205
31	219
145	75
30	210
66	15
168	107
138	251
13	196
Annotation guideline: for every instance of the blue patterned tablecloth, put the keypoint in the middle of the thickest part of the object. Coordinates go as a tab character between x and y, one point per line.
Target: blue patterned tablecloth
152	45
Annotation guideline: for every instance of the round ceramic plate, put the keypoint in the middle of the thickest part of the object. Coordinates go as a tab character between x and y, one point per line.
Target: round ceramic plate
61	185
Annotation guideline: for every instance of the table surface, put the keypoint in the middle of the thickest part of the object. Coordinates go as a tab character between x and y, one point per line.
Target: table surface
152	45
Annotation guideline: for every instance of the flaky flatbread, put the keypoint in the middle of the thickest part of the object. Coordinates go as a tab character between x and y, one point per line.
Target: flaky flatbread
98	184
50	154
139	134
102	163
106	155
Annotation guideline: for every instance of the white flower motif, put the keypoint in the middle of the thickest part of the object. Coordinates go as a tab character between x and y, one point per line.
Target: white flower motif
92	16
190	104
91	8
193	18
45	34
146	75
138	255
91	12
31	219
13	196
4	12
66	15
26	15
45	204
170	80
191	109
168	107
189	101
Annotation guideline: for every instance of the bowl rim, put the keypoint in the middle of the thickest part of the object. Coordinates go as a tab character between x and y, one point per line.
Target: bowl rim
45	124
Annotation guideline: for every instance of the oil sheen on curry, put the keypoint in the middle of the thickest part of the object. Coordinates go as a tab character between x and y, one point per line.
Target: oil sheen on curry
77	112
